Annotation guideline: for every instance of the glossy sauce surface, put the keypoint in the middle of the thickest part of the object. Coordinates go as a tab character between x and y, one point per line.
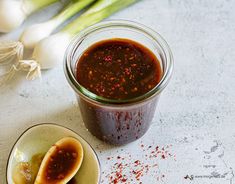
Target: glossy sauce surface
61	162
118	69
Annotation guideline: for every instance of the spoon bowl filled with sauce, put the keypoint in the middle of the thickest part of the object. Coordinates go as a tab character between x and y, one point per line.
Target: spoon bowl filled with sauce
61	162
118	70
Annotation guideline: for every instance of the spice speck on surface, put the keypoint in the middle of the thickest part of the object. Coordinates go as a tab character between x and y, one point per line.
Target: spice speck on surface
126	169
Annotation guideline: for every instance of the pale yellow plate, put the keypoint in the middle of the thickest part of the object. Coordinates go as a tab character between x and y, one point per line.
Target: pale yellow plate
39	139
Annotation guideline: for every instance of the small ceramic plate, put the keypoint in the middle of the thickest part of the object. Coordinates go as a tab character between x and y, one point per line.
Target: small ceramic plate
39	139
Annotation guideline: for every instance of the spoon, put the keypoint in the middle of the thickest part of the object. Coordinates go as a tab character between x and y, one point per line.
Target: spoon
61	162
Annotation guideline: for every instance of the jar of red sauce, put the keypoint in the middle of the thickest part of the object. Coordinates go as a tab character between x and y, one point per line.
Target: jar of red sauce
117	121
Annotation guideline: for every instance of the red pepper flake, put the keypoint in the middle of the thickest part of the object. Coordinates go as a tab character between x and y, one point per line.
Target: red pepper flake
134	65
115	181
108	58
126	170
138	176
137	163
117	85
124	180
127	71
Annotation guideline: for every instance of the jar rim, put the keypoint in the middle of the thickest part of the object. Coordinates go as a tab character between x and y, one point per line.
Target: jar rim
156	37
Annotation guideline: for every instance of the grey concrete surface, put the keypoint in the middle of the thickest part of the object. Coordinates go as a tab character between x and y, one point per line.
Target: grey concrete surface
196	113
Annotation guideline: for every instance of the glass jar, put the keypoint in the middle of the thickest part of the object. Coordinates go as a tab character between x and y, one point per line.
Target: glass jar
118	122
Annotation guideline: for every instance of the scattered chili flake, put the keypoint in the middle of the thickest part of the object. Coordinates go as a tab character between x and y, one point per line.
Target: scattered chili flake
124	180
137	162
127	170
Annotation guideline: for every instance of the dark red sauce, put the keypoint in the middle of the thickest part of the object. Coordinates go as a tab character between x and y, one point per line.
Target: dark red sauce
62	161
118	69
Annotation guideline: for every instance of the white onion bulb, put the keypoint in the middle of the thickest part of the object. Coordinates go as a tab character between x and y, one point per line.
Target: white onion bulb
49	52
33	34
12	15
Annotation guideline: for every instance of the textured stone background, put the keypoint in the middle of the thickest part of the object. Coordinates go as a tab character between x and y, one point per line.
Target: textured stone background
196	113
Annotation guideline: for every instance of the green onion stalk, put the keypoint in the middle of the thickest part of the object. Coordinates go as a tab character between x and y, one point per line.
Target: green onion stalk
50	51
35	33
11	50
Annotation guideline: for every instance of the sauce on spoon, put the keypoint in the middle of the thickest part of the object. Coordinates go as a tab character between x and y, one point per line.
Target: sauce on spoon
61	162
